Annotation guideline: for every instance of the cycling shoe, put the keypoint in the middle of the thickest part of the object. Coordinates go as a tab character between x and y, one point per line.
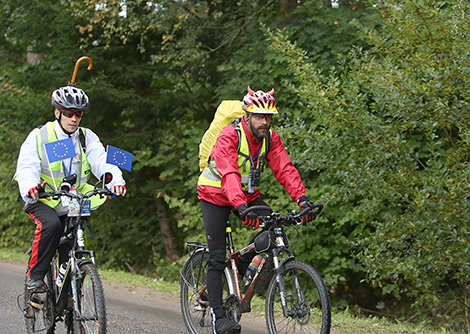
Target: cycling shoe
225	326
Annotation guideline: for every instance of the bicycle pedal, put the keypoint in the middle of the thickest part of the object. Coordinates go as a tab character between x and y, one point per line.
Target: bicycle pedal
28	312
204	303
37	306
37	291
35	298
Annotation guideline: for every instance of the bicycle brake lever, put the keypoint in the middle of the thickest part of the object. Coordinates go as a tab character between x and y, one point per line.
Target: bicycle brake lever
319	207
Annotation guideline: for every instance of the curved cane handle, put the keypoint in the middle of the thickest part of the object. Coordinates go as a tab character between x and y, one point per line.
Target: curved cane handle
77	64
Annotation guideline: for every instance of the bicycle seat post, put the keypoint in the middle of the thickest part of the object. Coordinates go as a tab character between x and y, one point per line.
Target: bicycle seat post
228	231
232	261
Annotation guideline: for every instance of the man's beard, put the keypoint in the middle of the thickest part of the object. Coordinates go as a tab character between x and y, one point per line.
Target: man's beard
258	135
255	132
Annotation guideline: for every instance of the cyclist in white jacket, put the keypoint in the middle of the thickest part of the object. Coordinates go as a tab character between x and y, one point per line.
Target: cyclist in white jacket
34	174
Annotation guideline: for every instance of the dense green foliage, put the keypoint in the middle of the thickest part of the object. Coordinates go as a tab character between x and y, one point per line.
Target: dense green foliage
376	98
390	125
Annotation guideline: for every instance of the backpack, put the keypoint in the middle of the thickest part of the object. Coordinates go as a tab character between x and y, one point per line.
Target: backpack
227	112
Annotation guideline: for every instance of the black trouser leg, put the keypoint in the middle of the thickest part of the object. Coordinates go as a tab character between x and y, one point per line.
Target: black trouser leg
49	229
215	221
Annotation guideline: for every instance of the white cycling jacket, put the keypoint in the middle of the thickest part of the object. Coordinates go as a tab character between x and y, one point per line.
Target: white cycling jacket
28	169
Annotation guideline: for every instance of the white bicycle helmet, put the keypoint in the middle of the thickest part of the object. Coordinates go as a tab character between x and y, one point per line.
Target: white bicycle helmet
70	98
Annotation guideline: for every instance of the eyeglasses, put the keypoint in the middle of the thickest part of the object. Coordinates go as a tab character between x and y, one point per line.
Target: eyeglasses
259	117
71	113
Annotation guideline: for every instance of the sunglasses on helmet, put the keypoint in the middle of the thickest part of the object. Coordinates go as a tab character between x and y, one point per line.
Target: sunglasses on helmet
71	113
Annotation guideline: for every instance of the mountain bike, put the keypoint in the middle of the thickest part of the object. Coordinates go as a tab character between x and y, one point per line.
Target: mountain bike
297	300
78	299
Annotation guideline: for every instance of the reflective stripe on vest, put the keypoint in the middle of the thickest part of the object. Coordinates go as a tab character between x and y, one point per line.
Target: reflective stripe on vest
210	176
55	174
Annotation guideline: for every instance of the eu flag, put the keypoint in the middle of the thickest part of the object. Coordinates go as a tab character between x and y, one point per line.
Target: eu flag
60	150
118	157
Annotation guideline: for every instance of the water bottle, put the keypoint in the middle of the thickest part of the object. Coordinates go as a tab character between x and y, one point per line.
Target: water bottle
60	277
251	270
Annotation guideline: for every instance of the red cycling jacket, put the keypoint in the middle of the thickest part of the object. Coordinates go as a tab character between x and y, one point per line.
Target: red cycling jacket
225	155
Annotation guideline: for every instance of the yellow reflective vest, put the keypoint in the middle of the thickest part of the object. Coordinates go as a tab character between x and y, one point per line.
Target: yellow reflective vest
211	177
55	173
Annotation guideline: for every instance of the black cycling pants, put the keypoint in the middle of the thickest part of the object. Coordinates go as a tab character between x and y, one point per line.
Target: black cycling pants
215	221
49	229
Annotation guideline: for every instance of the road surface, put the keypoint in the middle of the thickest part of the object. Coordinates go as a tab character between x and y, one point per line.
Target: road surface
130	310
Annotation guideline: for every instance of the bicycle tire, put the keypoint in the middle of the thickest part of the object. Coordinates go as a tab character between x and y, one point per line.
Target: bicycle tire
91	302
40	320
310	312
195	310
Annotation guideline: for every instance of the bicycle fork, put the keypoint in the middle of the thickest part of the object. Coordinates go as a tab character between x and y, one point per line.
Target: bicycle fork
77	276
279	268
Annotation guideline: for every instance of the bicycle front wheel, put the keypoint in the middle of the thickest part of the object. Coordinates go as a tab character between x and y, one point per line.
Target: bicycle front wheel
194	298
307	302
92	309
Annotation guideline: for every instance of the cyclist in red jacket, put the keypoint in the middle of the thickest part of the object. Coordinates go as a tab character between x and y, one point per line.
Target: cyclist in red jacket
240	154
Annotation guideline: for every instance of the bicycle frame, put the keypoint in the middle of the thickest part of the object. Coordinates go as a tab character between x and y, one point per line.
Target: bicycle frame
296	296
70	278
245	300
78	256
234	286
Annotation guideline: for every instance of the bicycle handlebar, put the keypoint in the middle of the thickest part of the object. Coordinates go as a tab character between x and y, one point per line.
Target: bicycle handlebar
69	181
79	196
292	217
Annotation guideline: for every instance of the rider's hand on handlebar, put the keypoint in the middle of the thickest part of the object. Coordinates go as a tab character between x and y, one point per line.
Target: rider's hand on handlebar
250	219
119	190
308	216
34	191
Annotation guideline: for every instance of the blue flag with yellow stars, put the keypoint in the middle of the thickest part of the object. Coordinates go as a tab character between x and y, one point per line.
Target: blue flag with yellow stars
118	157
60	150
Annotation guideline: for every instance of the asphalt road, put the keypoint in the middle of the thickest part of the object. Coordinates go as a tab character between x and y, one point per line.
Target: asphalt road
130	310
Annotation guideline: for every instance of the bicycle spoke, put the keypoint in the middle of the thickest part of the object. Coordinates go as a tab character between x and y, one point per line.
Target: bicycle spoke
307	302
91	302
194	298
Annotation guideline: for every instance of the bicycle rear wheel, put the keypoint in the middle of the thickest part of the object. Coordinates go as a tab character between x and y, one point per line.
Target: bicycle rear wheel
194	299
39	309
307	301
90	302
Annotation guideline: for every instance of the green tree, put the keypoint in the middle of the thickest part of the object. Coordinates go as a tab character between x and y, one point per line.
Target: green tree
160	70
197	52
387	131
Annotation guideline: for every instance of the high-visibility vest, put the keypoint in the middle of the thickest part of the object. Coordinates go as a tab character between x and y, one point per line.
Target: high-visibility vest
55	173
210	175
